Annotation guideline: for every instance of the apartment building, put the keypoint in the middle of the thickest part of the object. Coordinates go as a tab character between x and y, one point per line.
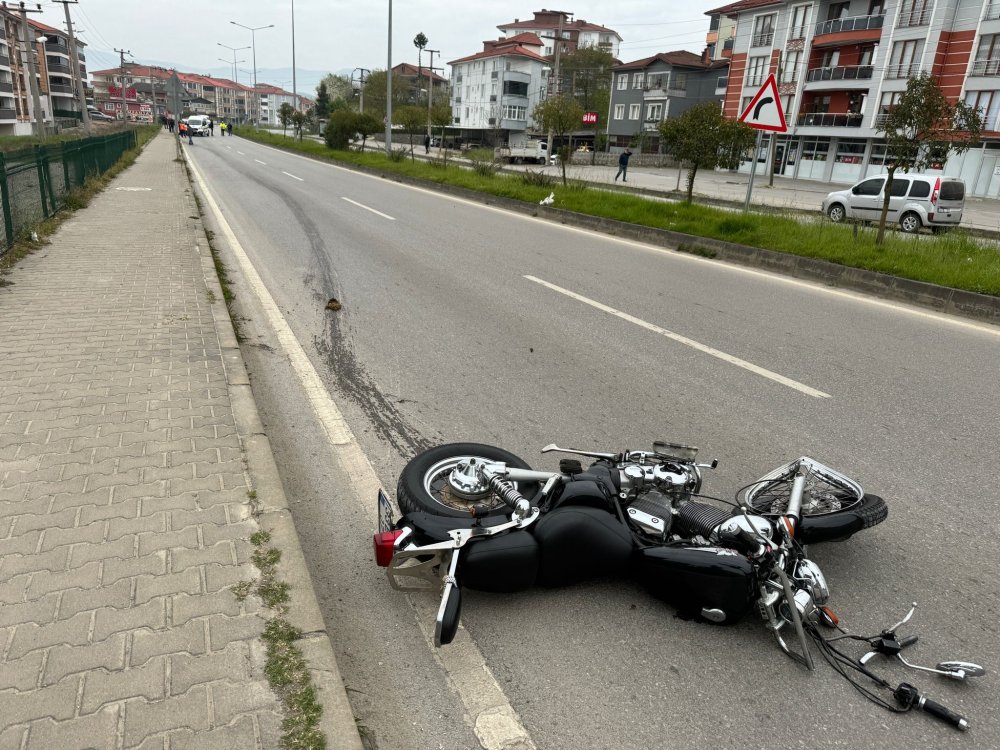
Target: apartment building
270	100
840	65
576	33
495	91
57	86
646	92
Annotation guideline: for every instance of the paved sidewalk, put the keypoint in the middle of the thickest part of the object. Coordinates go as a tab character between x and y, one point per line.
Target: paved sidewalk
128	450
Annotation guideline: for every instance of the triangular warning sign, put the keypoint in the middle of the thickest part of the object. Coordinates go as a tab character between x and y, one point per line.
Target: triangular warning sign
764	110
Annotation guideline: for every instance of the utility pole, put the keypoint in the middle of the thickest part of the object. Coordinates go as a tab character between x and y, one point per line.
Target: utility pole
295	89
557	85
29	51
75	62
152	92
388	88
430	88
772	140
121	54
361	83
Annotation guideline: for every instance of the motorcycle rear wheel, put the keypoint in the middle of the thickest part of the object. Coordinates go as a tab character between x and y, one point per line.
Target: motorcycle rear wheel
423	482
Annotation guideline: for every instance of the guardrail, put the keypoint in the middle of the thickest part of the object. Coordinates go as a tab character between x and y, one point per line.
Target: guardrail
34	182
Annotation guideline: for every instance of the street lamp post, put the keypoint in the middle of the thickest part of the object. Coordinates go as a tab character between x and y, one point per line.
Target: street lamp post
430	88
253	44
234	51
231	64
295	88
388	88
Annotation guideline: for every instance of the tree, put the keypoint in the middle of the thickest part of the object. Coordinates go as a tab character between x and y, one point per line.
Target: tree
298	120
412	119
322	101
340	129
338	87
419	41
365	125
285	112
375	93
561	115
705	139
441	117
923	127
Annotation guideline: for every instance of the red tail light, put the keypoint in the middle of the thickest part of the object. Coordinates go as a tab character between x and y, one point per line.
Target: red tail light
936	193
385	545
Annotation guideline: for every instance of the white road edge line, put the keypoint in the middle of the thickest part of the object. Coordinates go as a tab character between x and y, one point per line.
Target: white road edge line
687	257
292	176
367	208
492	717
261	162
684	340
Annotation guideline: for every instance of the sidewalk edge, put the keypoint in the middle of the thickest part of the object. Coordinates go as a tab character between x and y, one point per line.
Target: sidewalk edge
337	721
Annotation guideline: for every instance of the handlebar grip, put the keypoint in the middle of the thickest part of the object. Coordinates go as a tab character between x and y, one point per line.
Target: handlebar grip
946	715
907	641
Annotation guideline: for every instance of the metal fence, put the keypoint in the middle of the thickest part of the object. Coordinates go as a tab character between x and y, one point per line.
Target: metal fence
34	181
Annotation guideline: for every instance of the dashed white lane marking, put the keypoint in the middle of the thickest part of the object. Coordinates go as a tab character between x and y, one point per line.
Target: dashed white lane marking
493	718
240	152
368	208
289	174
261	162
684	340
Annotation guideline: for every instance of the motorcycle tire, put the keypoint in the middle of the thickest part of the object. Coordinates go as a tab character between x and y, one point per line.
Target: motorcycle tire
422	485
840	525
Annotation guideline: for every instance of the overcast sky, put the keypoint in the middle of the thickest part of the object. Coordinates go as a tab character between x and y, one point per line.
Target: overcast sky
332	35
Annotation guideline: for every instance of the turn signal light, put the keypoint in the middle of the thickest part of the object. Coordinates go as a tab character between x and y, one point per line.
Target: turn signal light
385	546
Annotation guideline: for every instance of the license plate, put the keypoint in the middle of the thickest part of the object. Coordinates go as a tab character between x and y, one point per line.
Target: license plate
384	512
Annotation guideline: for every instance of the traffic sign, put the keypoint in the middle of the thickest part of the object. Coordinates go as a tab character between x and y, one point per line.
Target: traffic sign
764	110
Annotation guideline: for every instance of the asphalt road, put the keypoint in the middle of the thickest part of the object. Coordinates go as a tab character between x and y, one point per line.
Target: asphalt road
448	333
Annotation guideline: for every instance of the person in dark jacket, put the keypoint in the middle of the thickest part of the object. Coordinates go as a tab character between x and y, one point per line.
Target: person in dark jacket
623	165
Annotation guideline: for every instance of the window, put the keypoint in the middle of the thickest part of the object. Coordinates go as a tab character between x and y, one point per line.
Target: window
867	54
622	81
548	52
815	150
656	81
654	112
637	79
633	111
900	186
915	12
987	56
904	61
763	30
790	66
869	187
756	68
515	113
921	189
988	104
619	111
876	8
680	81
837	11
800	22
850	151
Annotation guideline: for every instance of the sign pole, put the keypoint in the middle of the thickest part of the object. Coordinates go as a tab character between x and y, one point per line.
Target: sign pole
753	169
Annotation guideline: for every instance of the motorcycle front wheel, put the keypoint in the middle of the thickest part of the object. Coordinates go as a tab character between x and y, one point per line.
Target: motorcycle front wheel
423	484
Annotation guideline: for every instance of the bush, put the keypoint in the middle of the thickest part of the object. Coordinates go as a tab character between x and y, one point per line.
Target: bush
340	129
536	179
397	154
485	167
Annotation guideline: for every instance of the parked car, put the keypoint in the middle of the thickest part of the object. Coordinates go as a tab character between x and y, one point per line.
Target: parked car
915	200
97	116
198	124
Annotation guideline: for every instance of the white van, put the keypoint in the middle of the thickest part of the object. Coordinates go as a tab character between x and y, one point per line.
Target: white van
198	124
915	201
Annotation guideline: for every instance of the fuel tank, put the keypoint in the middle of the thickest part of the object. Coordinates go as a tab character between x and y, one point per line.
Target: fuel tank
714	583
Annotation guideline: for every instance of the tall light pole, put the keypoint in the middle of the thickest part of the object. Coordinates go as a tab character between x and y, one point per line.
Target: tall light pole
231	64
388	89
295	88
253	43
234	51
430	88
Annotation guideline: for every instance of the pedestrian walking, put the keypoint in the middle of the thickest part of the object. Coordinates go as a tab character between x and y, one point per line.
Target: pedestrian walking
211	126
185	130
170	124
623	164
222	128
427	144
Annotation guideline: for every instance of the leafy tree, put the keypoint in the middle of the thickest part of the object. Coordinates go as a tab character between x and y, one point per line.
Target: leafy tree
298	120
562	115
585	73
285	112
338	104
322	100
412	118
923	127
441	117
365	125
340	128
705	139
375	93
338	87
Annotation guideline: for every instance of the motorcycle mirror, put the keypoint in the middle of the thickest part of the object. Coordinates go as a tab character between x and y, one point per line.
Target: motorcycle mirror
448	616
959	670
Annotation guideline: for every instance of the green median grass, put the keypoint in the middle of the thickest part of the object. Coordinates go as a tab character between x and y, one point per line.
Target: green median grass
956	260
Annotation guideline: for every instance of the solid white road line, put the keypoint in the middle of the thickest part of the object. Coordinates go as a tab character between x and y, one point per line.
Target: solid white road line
492	717
684	340
289	174
367	208
685	257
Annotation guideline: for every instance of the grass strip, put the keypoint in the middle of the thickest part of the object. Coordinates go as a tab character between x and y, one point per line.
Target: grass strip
956	260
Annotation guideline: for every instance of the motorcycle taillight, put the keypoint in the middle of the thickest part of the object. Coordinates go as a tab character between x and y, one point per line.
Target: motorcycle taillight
385	546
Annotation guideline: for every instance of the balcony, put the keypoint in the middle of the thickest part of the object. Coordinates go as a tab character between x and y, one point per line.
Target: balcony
58	67
516	76
762	40
830	120
5	61
901	70
83	57
6	87
61	89
985	68
848	30
914	17
840	73
7	114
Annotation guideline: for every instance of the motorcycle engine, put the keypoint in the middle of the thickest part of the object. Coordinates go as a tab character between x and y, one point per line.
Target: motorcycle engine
652	512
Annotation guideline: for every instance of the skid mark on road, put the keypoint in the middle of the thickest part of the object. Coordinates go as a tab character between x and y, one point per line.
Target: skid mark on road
686	341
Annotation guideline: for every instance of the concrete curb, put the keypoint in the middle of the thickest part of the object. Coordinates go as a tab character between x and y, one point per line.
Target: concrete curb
981	307
337	721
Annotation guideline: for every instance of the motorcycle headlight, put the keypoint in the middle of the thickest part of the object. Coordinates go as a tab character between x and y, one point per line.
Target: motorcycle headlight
810	577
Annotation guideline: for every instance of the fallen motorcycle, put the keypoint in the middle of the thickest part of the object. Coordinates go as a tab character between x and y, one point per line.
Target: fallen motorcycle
477	516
